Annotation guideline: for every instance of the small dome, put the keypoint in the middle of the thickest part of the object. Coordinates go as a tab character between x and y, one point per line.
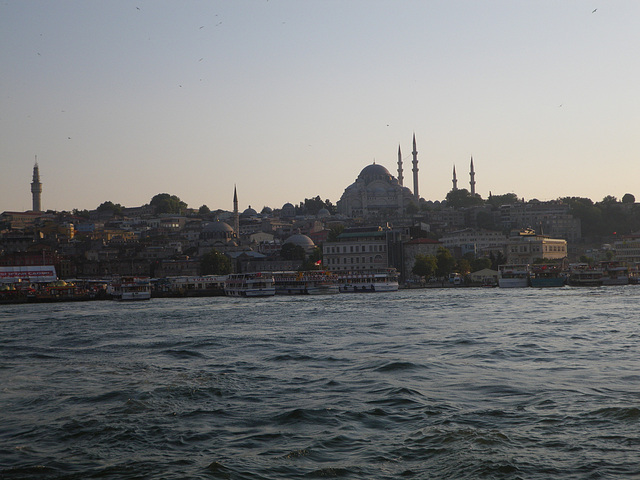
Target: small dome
249	212
374	172
323	213
217	226
288	210
301	240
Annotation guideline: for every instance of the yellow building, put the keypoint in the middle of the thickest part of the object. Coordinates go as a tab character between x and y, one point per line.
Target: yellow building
525	247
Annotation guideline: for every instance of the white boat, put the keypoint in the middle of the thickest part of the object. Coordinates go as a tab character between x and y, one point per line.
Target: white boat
513	276
311	282
369	281
130	288
256	284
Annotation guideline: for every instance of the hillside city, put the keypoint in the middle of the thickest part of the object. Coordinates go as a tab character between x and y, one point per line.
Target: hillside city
378	223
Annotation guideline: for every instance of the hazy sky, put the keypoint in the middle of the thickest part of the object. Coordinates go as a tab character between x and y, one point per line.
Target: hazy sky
289	99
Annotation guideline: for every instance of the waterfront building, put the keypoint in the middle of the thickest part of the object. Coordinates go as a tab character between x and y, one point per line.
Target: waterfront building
627	249
480	242
357	249
550	218
525	247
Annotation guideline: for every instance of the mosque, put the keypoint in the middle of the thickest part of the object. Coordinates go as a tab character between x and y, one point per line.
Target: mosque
376	192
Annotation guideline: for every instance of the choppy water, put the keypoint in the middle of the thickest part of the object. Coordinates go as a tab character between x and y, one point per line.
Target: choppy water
456	383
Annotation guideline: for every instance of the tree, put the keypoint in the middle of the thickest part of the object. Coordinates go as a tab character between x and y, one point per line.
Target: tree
445	262
289	251
114	208
480	264
628	198
166	203
497	260
425	265
204	210
215	263
334	232
462	198
506	199
411	209
463	266
313	261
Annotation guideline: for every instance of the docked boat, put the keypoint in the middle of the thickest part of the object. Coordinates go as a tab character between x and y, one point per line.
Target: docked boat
369	281
256	284
130	288
547	276
190	286
615	273
311	282
513	276
582	275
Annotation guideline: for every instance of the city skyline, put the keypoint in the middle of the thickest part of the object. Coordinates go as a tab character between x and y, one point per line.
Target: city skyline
289	100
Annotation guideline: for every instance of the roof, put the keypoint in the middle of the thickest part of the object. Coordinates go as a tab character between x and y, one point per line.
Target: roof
343	236
423	241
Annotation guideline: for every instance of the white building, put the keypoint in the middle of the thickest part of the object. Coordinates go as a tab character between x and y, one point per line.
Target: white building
357	249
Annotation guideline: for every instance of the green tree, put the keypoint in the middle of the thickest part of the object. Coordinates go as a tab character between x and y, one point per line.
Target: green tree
462	198
411	209
289	251
114	208
425	265
505	199
204	210
480	264
334	232
215	263
463	266
628	198
445	262
165	203
313	261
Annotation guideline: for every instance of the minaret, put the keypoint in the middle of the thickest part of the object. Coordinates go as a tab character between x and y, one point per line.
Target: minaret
400	177
415	169
236	214
455	179
36	188
472	174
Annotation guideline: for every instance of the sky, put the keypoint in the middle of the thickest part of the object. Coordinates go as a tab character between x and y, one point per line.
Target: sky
290	99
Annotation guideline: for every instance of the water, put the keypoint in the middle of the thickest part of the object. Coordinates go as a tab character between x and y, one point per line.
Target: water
454	383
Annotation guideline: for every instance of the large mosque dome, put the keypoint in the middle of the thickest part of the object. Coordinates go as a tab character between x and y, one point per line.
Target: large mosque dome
374	172
301	240
375	192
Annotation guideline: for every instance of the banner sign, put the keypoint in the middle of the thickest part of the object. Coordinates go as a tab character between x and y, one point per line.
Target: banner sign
30	273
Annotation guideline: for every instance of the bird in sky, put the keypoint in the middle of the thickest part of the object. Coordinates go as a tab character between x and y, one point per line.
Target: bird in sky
594	10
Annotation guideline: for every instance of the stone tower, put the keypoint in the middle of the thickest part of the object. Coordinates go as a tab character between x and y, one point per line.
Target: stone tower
415	169
236	213
36	189
400	177
455	179
472	174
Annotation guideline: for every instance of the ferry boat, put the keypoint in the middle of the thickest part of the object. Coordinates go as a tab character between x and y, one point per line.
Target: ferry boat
369	281
615	273
513	276
582	275
130	288
547	276
191	286
313	282
256	284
